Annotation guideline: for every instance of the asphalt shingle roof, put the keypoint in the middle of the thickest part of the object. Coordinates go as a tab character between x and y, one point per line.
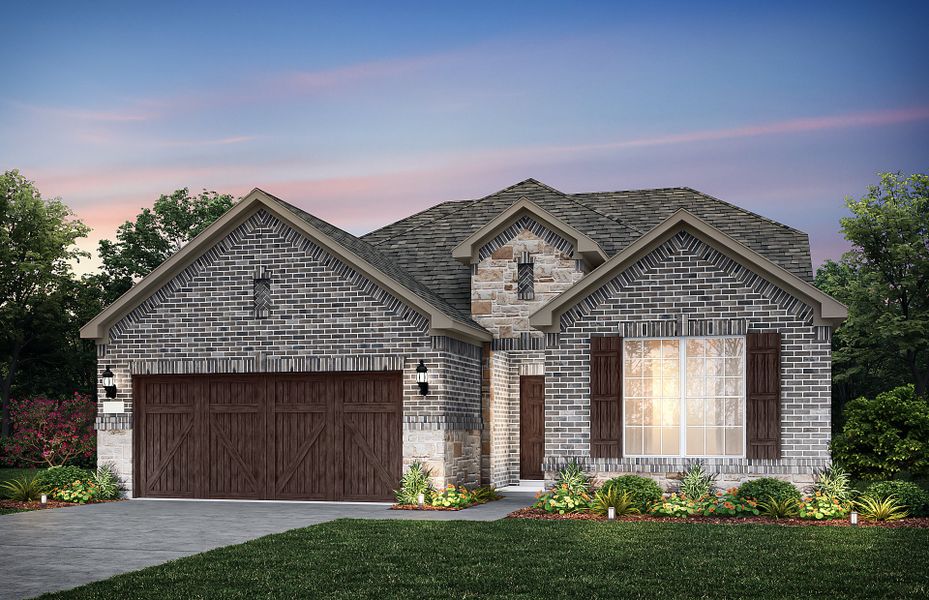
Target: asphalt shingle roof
422	243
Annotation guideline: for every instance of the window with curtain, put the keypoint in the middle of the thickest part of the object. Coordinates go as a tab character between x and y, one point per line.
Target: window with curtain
684	397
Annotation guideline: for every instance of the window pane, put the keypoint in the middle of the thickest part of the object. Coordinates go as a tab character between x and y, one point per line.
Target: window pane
715	411
671	411
652	348
670	388
652	440
696	347
733	441
714	367
714	441
694	369
695	445
695	408
716	386
733	386
733	346
695	384
733	367
633	411
670	349
633	440
734	412
633	367
671	440
633	388
714	347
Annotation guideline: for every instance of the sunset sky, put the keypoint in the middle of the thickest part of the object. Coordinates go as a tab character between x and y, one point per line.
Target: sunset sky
363	114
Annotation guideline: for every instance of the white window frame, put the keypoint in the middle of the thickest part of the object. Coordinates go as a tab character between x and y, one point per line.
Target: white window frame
682	391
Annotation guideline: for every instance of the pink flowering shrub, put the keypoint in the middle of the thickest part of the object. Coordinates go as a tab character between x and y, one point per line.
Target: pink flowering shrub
53	432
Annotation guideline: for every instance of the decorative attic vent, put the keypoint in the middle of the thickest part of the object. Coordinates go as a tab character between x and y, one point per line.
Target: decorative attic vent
262	293
525	274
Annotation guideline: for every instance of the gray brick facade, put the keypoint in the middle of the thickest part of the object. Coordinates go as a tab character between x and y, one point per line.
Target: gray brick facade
323	316
684	287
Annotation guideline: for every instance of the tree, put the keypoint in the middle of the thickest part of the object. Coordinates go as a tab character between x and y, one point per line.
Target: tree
156	234
885	279
37	238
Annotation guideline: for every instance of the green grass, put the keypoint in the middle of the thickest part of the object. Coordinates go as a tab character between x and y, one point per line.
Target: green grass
8	474
10	511
536	559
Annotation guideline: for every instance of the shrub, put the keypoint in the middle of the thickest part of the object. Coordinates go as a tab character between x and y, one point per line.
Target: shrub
22	489
880	509
563	500
452	497
54	477
676	506
785	508
728	504
820	506
908	494
53	432
79	491
417	480
697	482
643	491
765	489
885	436
622	503
833	482
573	476
485	493
107	480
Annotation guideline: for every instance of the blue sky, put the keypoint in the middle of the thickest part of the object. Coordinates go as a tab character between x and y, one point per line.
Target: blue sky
363	114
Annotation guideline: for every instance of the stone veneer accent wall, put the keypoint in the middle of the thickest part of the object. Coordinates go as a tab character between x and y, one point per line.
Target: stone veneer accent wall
324	316
686	287
494	302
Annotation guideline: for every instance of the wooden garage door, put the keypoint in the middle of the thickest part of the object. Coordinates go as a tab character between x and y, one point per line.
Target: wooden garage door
310	436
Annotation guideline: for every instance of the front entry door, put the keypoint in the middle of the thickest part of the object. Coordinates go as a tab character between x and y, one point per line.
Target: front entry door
531	426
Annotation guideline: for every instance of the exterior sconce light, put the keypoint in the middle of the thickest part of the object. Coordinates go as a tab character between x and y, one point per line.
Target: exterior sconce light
854	518
421	378
109	382
611	513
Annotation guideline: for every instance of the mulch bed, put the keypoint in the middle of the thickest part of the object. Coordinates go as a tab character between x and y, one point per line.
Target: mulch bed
425	507
36	505
538	513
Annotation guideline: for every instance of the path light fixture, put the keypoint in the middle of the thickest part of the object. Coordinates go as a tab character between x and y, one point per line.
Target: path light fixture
43	500
109	382
422	378
853	518
421	500
611	513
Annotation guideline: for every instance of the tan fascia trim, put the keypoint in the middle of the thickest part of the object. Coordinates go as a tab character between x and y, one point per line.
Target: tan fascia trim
826	309
467	251
440	323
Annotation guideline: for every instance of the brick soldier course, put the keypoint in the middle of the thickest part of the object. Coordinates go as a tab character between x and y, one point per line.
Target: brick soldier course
271	289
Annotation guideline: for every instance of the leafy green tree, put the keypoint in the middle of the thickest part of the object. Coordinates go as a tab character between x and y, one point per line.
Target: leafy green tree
884	280
155	235
37	246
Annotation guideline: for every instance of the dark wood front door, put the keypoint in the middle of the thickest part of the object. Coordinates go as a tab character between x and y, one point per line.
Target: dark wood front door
531	426
311	436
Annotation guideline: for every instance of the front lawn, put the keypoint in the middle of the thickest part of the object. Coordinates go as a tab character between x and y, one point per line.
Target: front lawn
543	559
7	474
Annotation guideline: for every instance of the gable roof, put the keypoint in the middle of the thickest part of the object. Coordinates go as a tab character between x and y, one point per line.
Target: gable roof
467	251
444	318
826	310
423	243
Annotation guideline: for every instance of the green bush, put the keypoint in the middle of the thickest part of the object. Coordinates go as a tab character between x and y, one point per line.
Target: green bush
822	507
643	491
571	492
107	480
485	493
834	482
21	489
56	477
697	482
908	494
766	489
417	480
885	436
728	504
453	497
676	506
574	477
79	491
622	504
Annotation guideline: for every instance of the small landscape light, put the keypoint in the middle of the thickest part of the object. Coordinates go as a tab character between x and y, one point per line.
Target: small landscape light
43	500
854	518
109	382
421	500
421	378
611	513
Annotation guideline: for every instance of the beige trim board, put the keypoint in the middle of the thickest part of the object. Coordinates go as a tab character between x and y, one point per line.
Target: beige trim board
440	323
826	309
467	251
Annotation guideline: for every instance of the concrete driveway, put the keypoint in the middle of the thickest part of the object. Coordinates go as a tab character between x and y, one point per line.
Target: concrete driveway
49	550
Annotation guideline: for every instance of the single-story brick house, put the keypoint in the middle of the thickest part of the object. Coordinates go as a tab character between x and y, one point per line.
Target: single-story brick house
277	356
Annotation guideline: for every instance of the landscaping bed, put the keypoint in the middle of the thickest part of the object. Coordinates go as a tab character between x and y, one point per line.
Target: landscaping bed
538	513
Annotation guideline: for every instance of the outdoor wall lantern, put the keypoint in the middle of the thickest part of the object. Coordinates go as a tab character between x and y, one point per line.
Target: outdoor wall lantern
109	382
421	378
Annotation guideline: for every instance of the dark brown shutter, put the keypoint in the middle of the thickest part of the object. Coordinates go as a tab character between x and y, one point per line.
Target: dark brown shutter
763	395
606	397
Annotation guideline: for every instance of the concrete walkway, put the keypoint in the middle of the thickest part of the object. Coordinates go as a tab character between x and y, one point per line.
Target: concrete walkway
49	550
